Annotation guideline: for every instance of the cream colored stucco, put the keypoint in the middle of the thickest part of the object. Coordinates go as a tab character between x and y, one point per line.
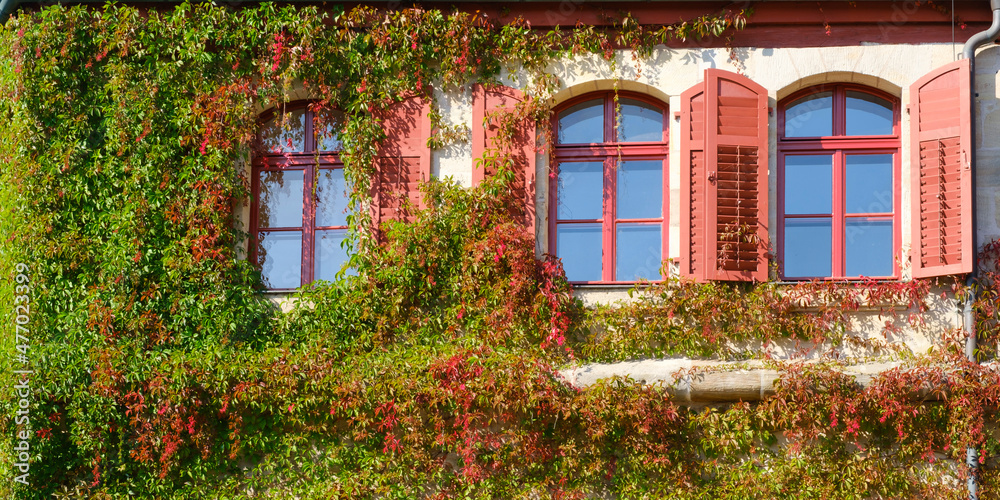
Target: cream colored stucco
455	160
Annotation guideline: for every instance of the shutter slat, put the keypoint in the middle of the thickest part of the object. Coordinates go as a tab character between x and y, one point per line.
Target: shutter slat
941	178
731	103
737	131
940	95
746	117
947	126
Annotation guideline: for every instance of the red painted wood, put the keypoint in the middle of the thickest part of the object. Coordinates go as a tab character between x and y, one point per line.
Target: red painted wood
772	25
489	103
736	182
404	160
692	191
591	150
830	143
941	180
547	14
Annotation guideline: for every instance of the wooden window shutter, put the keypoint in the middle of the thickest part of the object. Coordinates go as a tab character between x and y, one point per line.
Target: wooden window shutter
404	161
941	180
693	182
724	170
488	103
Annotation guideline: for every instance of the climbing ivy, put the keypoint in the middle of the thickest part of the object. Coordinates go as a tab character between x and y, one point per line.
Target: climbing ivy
162	370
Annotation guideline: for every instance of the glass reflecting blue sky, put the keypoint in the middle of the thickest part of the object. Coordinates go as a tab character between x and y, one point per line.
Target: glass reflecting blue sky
328	139
280	202
809	184
868	247
330	255
640	189
640	122
281	258
582	123
868	115
331	195
579	247
868	184
639	252
581	187
285	133
808	248
810	116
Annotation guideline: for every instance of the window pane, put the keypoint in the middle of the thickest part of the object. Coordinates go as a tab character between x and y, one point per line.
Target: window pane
330	255
869	184
869	247
640	190
583	123
328	132
280	255
868	115
638	253
285	132
581	187
810	116
280	203
808	247
808	184
640	122
331	198
579	247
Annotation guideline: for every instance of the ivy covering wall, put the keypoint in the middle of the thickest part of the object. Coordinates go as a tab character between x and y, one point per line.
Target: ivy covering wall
160	369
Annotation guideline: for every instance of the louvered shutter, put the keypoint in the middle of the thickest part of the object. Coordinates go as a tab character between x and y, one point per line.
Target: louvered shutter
941	189
489	104
404	161
724	168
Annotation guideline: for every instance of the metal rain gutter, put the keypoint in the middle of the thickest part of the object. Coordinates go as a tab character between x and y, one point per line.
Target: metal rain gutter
969	52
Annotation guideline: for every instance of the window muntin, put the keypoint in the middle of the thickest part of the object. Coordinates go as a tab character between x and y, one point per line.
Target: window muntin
299	209
609	199
839	193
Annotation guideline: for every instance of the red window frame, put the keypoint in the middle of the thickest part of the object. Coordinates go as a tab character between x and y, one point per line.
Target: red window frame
609	153
840	145
310	162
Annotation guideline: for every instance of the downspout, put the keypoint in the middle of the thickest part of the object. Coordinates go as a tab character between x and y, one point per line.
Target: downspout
6	8
969	52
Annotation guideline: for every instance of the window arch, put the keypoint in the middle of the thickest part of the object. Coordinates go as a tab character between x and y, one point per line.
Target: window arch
608	213
839	183
298	213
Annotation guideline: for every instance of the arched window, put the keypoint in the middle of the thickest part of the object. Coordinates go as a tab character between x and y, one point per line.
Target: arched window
299	208
838	183
608	207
